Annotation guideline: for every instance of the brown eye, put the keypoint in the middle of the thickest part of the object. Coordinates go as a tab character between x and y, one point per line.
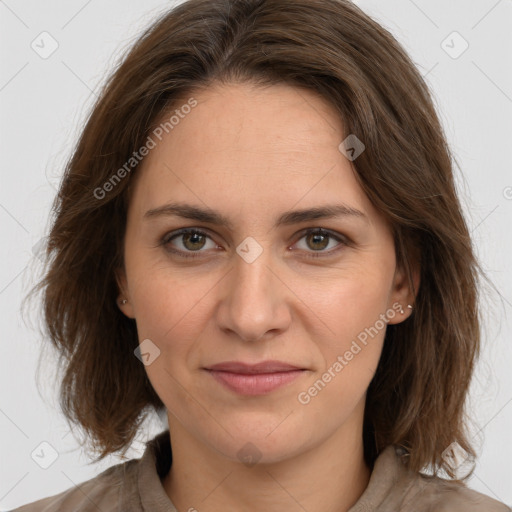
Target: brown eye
187	241
317	240
193	241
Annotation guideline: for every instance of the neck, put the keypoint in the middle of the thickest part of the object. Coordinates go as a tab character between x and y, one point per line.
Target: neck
328	478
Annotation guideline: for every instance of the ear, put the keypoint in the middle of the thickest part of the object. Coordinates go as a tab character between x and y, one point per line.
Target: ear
406	283
124	295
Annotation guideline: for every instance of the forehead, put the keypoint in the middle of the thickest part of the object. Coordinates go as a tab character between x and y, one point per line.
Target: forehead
246	146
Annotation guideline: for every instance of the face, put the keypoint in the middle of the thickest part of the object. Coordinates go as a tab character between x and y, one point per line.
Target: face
251	280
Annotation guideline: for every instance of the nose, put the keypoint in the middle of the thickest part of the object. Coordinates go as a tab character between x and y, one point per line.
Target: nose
254	299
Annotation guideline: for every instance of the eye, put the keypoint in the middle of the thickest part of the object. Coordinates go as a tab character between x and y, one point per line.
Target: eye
318	239
193	240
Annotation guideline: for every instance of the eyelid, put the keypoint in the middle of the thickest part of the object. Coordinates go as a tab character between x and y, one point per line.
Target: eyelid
343	240
168	237
339	237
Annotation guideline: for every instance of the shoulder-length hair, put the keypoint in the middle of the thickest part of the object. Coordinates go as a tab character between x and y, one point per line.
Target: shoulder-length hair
416	399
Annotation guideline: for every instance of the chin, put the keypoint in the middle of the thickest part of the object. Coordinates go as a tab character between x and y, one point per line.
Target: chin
260	441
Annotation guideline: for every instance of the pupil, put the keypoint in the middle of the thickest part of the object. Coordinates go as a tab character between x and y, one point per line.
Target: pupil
194	237
317	237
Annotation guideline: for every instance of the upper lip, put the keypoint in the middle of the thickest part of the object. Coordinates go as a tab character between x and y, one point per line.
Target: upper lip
247	368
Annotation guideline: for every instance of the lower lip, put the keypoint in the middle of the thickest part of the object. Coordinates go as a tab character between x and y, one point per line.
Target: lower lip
254	384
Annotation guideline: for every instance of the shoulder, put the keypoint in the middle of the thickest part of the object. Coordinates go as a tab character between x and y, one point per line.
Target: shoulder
102	492
393	487
124	487
439	495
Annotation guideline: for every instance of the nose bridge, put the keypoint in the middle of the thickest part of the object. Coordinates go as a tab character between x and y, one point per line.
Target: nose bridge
252	267
253	303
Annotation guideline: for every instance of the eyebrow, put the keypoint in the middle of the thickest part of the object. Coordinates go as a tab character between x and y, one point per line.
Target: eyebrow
207	215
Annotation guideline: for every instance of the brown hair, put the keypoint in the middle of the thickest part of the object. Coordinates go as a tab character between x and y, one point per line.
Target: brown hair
417	397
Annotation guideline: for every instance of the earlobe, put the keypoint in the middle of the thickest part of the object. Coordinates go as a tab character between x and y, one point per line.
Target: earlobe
126	307
123	299
403	296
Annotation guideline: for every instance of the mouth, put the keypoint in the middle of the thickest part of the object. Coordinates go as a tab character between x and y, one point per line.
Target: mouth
254	379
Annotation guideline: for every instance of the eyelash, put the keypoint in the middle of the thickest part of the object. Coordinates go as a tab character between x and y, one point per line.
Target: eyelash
194	231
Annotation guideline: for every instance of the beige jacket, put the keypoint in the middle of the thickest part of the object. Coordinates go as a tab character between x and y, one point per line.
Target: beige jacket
135	486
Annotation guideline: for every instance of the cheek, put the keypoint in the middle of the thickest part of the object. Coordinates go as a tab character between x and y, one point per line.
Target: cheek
167	305
354	301
170	313
173	307
353	309
350	353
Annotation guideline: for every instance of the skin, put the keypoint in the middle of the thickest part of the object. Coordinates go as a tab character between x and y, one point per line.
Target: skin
252	153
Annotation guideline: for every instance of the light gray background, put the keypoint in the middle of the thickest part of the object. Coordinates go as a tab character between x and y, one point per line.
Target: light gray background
43	103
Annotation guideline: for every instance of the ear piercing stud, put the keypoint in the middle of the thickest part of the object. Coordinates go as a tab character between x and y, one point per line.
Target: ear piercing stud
402	312
123	301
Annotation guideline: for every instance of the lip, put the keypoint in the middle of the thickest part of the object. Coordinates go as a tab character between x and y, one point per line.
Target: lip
254	379
248	368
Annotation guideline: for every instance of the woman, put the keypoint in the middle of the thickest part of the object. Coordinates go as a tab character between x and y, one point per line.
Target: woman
259	231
